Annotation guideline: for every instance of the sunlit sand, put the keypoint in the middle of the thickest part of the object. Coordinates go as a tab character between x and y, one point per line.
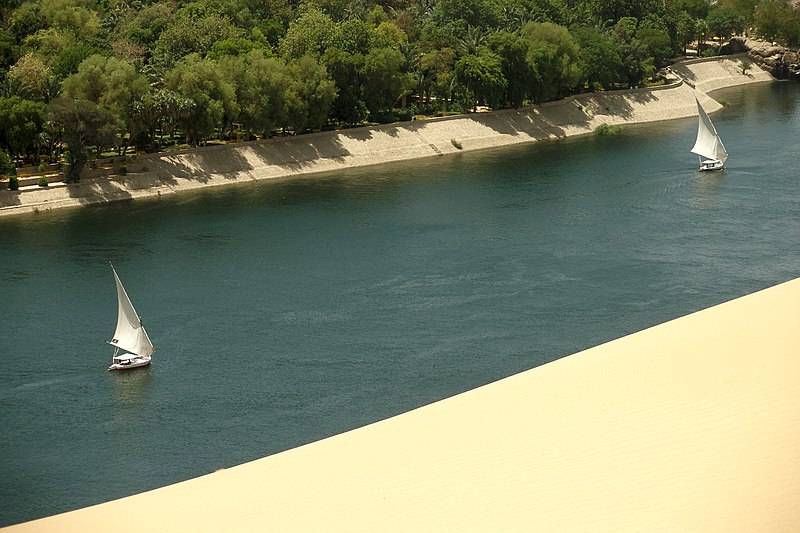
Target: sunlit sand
689	426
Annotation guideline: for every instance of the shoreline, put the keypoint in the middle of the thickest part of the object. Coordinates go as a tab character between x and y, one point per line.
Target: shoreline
159	174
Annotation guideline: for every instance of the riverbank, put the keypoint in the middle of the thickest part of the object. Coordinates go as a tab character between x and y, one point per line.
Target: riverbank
161	174
691	425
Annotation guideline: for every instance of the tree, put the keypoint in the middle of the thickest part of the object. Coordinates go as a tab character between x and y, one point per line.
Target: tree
32	74
554	56
346	70
26	20
112	84
655	44
384	80
7	167
637	66
148	24
158	109
600	57
21	121
309	94
685	30
8	49
481	75
724	22
260	83
434	75
70	58
311	34
83	124
744	8
778	20
519	74
482	14
613	10
213	97
188	34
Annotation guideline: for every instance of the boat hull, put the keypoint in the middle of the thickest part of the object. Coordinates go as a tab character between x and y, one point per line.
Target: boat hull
128	364
711	165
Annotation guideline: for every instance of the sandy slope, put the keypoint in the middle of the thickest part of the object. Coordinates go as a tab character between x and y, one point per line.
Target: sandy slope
689	426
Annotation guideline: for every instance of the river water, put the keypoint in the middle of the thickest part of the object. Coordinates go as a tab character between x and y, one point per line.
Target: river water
289	311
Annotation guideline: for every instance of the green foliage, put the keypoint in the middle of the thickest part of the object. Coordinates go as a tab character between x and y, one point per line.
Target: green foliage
481	75
82	123
7	167
213	97
43	182
456	144
311	34
21	121
13	183
259	81
607	129
778	20
724	22
309	95
600	57
554	55
520	75
383	80
151	71
114	85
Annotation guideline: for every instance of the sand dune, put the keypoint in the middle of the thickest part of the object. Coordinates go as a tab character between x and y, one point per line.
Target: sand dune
689	426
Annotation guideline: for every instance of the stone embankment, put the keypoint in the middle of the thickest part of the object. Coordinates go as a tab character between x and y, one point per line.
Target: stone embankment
168	173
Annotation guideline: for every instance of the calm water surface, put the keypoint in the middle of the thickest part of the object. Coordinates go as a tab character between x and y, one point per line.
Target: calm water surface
290	311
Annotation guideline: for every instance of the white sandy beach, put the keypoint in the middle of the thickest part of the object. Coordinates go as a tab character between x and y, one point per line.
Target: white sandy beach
162	174
689	426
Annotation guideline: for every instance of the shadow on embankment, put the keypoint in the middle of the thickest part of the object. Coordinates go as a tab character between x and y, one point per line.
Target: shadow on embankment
287	156
10	198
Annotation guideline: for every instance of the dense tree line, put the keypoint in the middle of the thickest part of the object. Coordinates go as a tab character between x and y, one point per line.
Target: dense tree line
83	76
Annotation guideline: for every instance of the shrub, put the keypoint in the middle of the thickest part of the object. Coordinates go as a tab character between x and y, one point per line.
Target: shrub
43	182
42	168
403	114
122	171
13	183
456	144
7	167
607	129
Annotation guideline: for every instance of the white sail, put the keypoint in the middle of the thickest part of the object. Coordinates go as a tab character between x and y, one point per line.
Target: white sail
130	334
708	143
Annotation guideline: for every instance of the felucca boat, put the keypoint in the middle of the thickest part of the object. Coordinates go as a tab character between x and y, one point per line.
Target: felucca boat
133	348
708	143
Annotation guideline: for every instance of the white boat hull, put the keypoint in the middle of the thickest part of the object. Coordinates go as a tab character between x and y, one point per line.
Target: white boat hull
711	165
135	362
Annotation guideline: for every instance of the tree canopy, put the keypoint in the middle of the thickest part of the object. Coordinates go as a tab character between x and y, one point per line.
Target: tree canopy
95	75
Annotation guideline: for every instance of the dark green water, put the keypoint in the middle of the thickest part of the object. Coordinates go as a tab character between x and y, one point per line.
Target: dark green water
291	311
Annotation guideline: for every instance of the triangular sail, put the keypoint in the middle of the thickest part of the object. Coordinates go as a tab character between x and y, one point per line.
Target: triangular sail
708	143
130	334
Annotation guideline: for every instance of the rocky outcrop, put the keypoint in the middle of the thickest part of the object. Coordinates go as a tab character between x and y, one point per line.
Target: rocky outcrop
775	59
